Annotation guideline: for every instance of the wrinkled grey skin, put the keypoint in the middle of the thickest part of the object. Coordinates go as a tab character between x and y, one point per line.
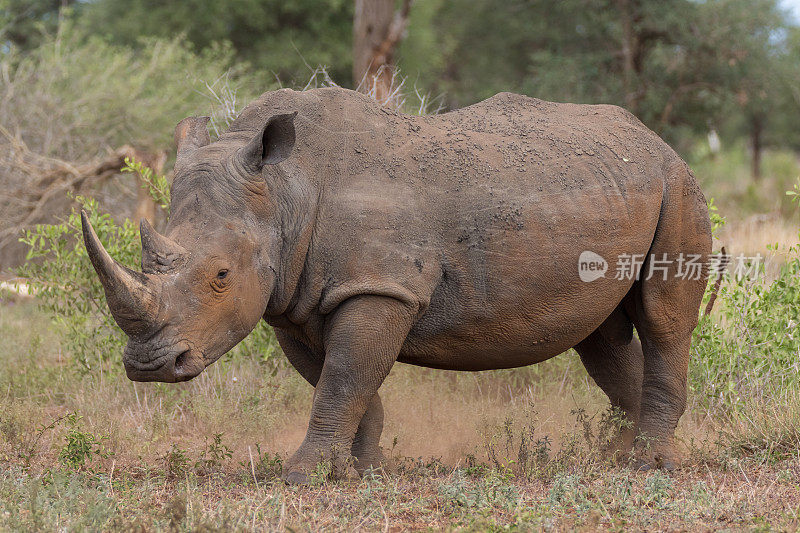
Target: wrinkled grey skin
366	237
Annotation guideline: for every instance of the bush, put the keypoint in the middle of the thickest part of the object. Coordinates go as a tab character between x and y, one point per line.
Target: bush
67	287
74	96
81	448
745	360
749	348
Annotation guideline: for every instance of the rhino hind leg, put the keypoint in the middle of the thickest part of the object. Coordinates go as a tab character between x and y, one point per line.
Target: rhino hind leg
366	446
666	360
617	369
664	309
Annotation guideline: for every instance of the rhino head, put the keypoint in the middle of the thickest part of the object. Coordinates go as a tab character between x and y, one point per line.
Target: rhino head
207	281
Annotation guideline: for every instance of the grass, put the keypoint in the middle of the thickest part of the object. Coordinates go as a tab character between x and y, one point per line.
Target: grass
492	450
760	217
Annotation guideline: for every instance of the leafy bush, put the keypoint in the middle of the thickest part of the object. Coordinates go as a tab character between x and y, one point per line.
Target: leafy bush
750	349
157	185
745	360
213	456
60	271
81	447
74	95
70	100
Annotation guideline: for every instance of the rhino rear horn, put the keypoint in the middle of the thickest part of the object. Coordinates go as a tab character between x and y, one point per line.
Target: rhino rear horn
132	296
271	145
191	133
159	253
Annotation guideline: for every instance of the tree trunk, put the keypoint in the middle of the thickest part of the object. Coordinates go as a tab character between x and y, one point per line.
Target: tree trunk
756	130
377	30
630	50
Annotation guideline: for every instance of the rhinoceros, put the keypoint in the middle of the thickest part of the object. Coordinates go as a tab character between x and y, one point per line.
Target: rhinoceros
481	238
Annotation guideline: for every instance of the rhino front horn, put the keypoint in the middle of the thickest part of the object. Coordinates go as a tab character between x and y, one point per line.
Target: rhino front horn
131	295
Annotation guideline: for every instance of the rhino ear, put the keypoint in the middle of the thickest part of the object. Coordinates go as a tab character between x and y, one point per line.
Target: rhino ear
273	143
191	133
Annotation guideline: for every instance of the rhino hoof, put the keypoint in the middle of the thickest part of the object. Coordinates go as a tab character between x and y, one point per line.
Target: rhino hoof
645	465
295	478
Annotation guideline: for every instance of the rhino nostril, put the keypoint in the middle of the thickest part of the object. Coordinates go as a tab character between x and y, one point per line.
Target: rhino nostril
180	361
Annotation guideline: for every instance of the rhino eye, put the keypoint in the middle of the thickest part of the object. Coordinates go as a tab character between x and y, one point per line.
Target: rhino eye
222	274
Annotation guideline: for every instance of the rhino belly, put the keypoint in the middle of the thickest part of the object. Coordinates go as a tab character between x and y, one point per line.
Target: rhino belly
514	298
507	333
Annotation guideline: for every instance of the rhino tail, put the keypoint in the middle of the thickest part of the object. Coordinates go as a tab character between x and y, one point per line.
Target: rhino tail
723	263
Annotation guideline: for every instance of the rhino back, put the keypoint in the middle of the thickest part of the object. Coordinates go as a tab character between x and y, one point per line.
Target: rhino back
477	216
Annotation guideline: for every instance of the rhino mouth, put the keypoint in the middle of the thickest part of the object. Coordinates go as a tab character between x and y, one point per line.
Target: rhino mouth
168	366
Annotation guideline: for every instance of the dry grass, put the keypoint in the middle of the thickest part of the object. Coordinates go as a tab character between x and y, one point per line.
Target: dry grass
768	234
455	436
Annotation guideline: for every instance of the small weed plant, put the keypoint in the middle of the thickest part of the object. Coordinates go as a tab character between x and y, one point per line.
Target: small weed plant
82	449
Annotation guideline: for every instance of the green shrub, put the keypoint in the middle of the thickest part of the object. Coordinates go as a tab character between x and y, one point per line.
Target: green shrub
75	95
750	347
213	456
745	361
81	448
157	185
68	288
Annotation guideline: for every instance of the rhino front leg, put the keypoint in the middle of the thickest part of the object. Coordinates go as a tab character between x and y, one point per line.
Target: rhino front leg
362	340
366	445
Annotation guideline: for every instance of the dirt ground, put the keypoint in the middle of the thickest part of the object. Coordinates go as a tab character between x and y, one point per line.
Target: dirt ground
497	450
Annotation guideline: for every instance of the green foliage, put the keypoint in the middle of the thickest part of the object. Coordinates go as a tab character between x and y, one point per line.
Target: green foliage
34	503
680	66
492	491
749	347
75	95
60	271
213	456
175	461
264	466
81	447
156	184
260	344
276	37
25	23
68	288
657	489
717	220
726	177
